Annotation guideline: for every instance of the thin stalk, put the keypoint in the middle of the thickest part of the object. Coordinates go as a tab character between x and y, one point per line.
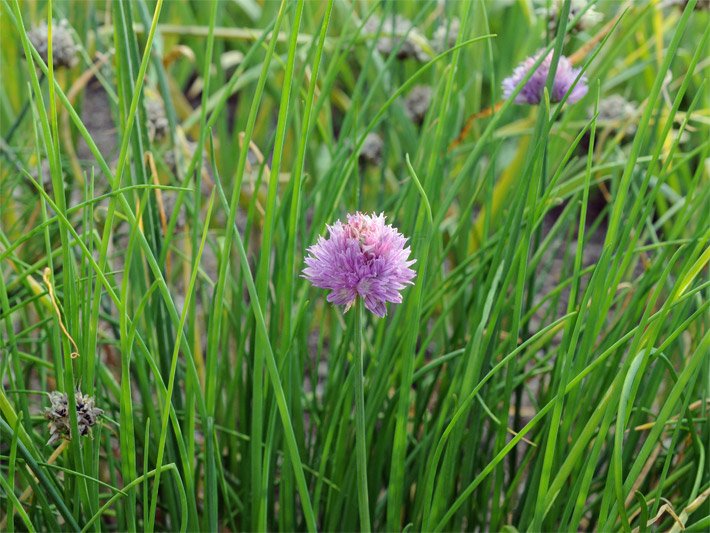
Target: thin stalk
21	115
360	431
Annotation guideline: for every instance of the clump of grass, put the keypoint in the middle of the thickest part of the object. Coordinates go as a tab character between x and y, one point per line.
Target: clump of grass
547	369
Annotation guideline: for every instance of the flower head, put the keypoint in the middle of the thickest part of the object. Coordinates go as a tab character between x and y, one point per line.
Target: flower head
58	415
446	34
417	103
533	90
391	33
372	148
701	5
186	150
363	257
158	125
63	47
589	18
617	111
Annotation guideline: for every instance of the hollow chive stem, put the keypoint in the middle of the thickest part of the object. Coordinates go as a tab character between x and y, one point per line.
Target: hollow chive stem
21	115
360	433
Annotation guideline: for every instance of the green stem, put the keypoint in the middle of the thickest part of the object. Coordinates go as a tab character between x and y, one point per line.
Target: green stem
21	115
360	433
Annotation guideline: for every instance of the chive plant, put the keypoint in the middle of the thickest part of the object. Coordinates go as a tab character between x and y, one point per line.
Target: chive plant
534	356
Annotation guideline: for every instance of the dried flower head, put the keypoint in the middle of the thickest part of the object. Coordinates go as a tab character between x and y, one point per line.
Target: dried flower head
371	151
446	34
58	415
63	47
363	257
617	111
187	149
157	120
417	103
532	92
589	18
391	31
701	5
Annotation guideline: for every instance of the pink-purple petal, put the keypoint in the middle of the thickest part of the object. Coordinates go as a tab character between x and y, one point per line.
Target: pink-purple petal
533	90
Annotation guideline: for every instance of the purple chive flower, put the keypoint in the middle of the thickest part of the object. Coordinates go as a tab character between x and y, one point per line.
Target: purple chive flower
533	90
362	257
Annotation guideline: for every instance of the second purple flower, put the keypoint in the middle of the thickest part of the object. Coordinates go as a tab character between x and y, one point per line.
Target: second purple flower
532	92
363	257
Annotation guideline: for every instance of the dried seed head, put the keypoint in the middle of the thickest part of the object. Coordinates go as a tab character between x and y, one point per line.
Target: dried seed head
391	31
446	34
187	150
157	121
417	103
371	152
63	47
589	19
58	415
617	110
701	5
